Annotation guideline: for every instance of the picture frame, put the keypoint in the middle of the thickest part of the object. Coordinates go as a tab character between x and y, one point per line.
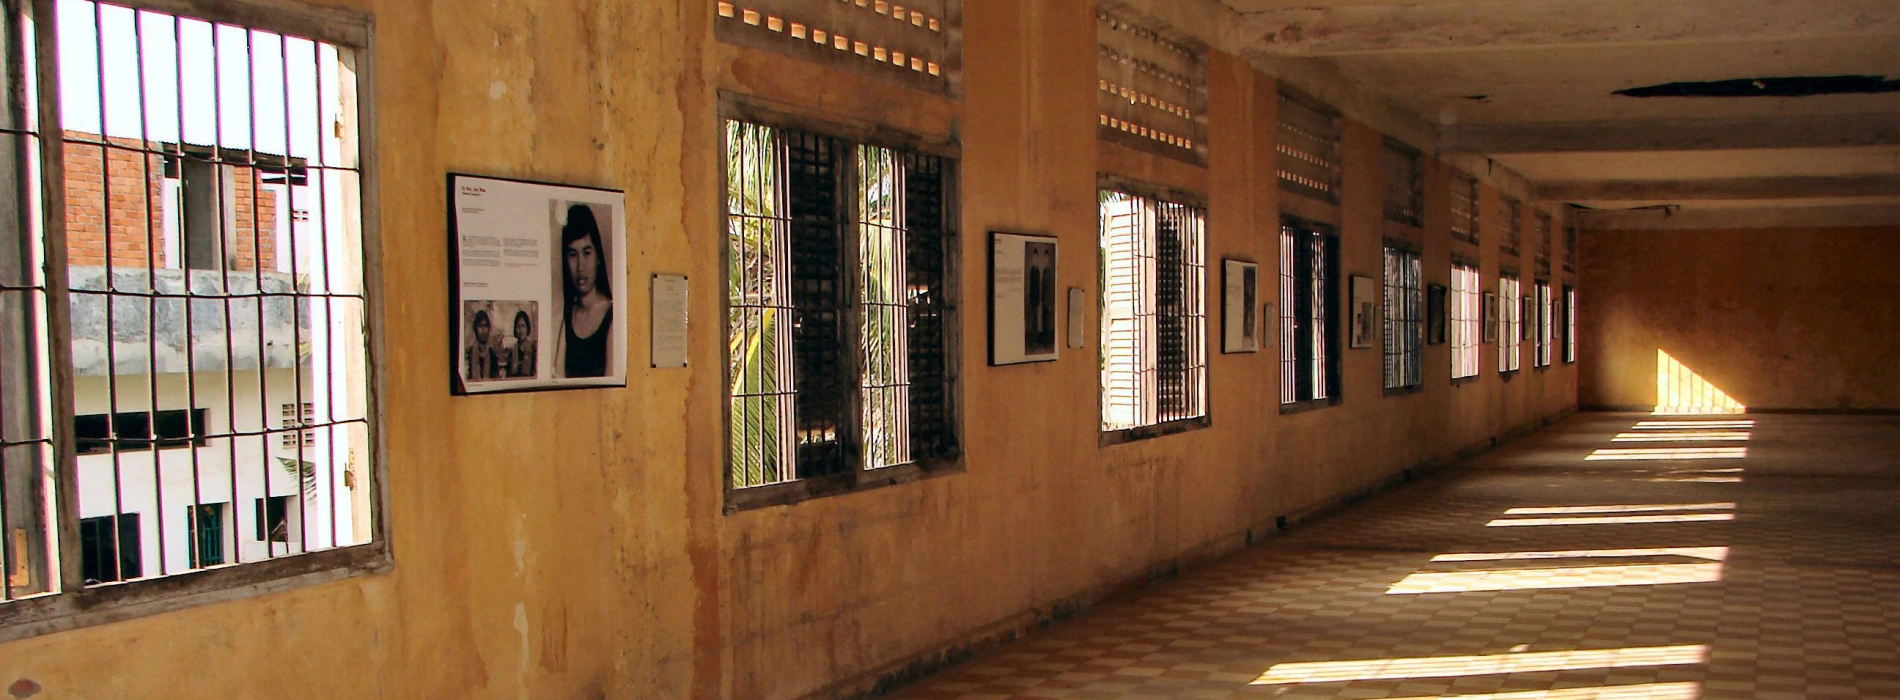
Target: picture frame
1491	320
544	261
1437	313
1526	316
1022	281
1240	306
1361	328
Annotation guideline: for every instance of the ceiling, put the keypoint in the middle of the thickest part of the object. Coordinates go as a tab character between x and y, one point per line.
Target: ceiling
1529	84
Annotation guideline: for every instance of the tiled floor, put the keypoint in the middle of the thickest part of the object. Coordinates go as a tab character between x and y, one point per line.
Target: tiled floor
1751	559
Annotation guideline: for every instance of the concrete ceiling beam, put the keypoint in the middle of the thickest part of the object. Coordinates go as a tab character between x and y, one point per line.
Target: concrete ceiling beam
1672	135
1486	25
1655	219
1720	189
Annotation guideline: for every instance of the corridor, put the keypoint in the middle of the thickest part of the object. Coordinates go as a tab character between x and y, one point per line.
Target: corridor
1623	556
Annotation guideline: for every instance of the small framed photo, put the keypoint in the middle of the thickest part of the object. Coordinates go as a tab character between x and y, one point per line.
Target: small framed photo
1490	317
1364	312
1022	298
1240	306
533	272
1437	309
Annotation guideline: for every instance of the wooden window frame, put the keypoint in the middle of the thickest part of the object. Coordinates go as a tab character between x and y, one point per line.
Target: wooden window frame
1197	203
72	604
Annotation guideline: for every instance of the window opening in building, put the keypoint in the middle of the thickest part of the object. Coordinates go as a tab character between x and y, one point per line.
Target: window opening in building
1464	207
838	305
1467	320
1154	316
1404	319
1511	321
1309	312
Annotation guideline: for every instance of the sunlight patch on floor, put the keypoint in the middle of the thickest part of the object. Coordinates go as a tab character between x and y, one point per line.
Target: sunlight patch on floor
1708	553
1612	520
1643	508
1648	454
1646	691
1556	577
1485	665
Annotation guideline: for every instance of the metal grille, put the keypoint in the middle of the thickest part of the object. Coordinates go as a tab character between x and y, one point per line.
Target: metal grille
1546	320
930	306
1306	313
1570	324
1464	207
1404	319
26	447
1150	90
837	306
1154	320
1513	239
1543	242
760	373
1404	184
910	42
1309	148
883	310
1467	321
1511	324
1181	323
822	402
213	272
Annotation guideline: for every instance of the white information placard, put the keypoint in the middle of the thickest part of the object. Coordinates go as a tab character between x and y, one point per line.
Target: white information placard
534	269
669	321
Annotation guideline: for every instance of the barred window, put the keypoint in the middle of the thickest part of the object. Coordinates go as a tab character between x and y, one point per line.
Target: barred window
1544	337
1464	207
1309	312
1309	148
1151	90
1404	184
1570	324
1404	319
1467	320
198	261
837	306
1543	243
1510	324
1154	316
1513	239
914	43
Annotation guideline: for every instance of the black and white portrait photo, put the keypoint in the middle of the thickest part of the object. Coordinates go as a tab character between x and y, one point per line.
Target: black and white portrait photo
1022	298
584	345
535	270
1039	298
1240	307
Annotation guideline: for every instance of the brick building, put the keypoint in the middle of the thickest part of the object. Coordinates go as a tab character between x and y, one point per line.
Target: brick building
167	206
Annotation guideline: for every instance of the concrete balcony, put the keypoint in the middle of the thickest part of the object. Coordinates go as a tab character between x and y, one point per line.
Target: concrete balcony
150	313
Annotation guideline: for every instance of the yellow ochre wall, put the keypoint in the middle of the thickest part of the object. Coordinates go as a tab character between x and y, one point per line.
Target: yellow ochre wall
572	544
1805	319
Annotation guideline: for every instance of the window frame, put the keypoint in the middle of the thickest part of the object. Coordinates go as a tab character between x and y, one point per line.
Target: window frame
1570	323
746	108
1543	336
1511	318
1179	197
1328	238
1413	356
71	604
1474	323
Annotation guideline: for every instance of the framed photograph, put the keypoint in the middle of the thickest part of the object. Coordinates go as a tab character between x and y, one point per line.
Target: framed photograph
1526	312
1365	296
1490	317
1437	309
1022	298
533	269
1240	306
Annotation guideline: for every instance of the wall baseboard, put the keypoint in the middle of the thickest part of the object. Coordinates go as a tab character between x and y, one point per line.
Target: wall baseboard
889	677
